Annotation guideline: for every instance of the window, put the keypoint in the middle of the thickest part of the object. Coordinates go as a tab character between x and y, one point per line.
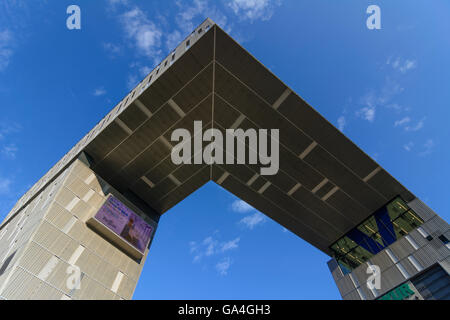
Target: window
377	232
444	240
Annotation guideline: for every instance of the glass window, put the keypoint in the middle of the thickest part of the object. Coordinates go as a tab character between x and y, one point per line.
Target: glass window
380	230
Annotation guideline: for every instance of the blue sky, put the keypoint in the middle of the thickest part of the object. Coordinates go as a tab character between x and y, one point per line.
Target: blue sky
388	90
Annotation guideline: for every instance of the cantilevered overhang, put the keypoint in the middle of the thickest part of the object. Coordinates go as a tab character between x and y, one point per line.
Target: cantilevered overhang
325	185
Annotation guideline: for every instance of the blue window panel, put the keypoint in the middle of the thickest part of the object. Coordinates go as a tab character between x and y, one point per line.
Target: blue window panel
385	226
364	241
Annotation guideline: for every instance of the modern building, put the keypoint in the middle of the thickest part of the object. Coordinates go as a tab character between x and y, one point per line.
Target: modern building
84	230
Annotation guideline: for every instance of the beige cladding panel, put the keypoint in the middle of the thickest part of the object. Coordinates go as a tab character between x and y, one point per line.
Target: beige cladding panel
62	238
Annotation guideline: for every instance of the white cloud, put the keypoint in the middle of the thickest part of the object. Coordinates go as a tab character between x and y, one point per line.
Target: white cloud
367	113
241	206
408	146
254	9
402	65
223	266
7	128
145	70
341	123
193	13
428	147
398	108
402	122
5	185
146	36
390	89
5	48
132	81
406	124
253	220
173	39
113	4
112	48
9	151
99	92
408	65
369	102
229	245
193	246
419	125
211	246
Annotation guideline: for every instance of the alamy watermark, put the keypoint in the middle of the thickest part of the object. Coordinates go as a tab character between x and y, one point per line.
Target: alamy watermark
230	149
374	20
374	280
74	279
73	22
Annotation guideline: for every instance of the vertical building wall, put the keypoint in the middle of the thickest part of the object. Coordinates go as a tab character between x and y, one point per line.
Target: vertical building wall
404	259
17	230
55	248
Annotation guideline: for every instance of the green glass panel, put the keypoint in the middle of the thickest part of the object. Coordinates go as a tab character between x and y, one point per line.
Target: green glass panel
396	208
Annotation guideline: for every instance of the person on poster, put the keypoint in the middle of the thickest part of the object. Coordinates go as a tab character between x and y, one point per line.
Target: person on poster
128	233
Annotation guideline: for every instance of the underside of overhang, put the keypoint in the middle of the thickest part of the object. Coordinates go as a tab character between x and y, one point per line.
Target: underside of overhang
325	184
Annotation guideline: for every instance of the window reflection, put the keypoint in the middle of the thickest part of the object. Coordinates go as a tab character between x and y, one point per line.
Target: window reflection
380	230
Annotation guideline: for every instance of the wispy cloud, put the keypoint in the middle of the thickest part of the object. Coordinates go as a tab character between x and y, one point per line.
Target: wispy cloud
369	103
192	12
254	9
428	147
114	4
341	121
112	49
397	107
5	184
210	246
223	266
402	65
241	206
419	125
402	121
380	98
9	151
173	39
7	128
367	113
408	146
144	34
144	70
229	245
132	81
249	221
99	92
407	124
253	220
6	51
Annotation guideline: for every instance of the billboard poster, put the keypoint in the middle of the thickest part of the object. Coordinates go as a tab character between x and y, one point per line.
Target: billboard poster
125	223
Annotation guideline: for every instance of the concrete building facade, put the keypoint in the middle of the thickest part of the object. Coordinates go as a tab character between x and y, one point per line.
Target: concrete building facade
327	191
48	243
